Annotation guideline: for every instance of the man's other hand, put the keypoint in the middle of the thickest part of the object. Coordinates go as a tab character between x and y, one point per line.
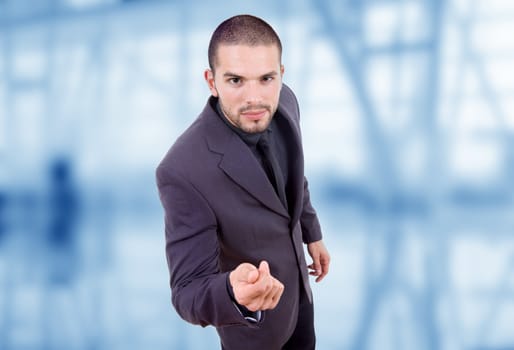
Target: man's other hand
320	260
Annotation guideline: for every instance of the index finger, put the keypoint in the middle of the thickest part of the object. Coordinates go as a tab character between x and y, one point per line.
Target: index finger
264	268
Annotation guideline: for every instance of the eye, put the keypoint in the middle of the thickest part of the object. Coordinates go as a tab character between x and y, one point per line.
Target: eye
234	80
267	78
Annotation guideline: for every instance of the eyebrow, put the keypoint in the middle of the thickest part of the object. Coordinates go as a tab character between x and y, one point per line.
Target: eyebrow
234	75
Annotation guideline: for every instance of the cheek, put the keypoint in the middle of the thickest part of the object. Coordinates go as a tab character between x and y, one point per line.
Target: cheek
274	95
231	101
275	99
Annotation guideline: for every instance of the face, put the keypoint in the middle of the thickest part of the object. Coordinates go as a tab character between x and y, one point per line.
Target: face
247	80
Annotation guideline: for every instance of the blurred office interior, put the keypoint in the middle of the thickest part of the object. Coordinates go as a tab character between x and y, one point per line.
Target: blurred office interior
408	121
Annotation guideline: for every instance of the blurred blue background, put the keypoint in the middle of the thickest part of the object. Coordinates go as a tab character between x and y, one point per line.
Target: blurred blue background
408	120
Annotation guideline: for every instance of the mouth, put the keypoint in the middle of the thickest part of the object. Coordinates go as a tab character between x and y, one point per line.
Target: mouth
254	114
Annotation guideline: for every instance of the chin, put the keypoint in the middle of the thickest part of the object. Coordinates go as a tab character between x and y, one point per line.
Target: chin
252	130
256	127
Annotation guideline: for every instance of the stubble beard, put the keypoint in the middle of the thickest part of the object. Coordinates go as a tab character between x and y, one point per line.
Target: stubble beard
252	127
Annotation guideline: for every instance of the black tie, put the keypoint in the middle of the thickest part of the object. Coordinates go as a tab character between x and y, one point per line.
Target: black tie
272	168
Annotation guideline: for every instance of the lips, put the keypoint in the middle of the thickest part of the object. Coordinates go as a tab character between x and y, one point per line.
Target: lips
254	114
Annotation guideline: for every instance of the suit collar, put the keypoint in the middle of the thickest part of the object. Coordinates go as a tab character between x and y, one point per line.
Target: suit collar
240	164
237	160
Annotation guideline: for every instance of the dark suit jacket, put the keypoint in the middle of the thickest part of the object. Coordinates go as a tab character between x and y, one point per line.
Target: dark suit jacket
221	210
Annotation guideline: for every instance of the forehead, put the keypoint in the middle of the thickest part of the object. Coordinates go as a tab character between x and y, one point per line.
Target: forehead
247	58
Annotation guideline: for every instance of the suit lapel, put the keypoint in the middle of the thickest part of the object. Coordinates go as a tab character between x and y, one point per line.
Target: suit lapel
238	162
241	166
295	164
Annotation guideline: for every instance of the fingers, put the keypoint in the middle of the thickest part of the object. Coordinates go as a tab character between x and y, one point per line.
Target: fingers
315	267
325	263
264	268
319	267
269	296
254	288
273	297
320	260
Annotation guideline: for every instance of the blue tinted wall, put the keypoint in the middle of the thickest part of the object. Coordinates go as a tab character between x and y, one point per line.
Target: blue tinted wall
408	120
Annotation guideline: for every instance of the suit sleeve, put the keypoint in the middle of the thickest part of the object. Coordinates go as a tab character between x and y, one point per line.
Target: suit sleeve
311	229
199	289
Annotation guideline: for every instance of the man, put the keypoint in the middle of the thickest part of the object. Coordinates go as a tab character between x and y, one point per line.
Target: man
237	207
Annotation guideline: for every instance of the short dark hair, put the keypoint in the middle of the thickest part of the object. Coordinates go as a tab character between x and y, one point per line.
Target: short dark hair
242	30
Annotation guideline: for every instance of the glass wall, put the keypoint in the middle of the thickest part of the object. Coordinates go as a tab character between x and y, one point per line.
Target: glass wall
408	122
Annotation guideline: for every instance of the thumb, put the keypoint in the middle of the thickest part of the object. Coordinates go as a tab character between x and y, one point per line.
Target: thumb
252	276
316	265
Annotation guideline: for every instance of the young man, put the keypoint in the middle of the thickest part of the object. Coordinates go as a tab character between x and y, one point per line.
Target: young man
237	207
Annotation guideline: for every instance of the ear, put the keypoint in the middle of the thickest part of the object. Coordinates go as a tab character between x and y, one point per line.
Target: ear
282	70
209	78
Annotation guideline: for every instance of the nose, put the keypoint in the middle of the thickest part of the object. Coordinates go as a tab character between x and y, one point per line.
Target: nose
253	94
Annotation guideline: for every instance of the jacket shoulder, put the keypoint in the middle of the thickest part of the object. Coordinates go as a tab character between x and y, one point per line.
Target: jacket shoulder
185	152
288	103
